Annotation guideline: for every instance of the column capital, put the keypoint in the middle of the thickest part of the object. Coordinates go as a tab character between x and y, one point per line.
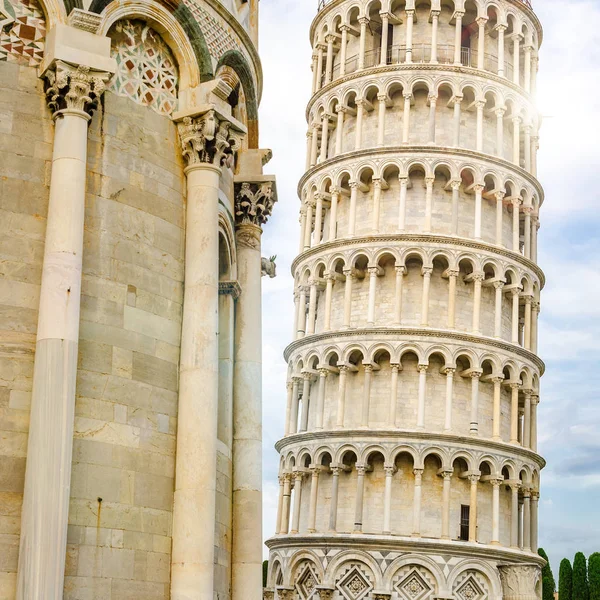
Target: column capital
453	272
324	372
325	593
74	88
364	20
230	288
497	380
458	14
478	276
389	470
499	285
418	472
396	368
435	13
422	368
481	21
478	187
447	474
500	111
499	195
496	481
429	181
473	477
401	269
330	38
361	469
450	371
426	271
455	184
501	27
254	200
209	138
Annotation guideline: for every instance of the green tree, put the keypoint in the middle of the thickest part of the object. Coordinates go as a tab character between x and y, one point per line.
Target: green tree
265	570
594	575
565	580
548	583
580	582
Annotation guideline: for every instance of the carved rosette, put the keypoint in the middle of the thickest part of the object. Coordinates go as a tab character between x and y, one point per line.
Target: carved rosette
208	139
520	582
76	88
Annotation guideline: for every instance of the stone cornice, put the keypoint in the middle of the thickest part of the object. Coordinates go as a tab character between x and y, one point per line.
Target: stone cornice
247	41
412	333
515	3
415	238
378	436
377	70
412	151
406	544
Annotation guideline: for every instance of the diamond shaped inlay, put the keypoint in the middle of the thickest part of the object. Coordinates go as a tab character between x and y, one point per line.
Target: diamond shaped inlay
354	585
414	587
307	583
470	590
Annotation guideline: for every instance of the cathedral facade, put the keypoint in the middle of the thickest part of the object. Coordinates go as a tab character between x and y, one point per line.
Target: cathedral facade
132	201
409	467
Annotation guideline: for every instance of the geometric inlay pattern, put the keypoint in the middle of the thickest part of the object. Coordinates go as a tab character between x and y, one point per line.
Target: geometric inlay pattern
414	587
22	32
307	582
354	585
218	37
469	587
146	69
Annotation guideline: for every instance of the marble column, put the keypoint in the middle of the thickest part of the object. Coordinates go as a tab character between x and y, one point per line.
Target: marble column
406	119
72	93
452	278
435	18
323	373
446	489
410	18
474	480
496	511
458	16
335	486
279	505
475	376
426	272
341	407
298	475
339	128
400	272
421	398
417	492
481	21
514	515
314	492
498	287
285	510
496	414
253	205
387	499
359	499
449	392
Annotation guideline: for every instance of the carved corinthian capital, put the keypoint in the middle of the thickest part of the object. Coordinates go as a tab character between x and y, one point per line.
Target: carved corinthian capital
76	88
208	138
519	582
254	201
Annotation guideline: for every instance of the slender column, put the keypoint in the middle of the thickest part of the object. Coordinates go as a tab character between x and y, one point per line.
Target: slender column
319	66
480	105
428	202
452	277
520	521
312	307
293	426
192	559
352	216
514	413
393	395
517	141
305	401
385	20
499	217
527	519
298	475
435	18
279	506
426	271
366	401
309	224
478	201
456	123
534	234
253	206
324	137
535	308
330	278
314	490
432	108
534	148
500	112
497	381
410	17
343	49
527	419
535	400
335	486
458	15
417	492
285	512
387	500
323	373
363	38
496	511
402	204
481	21
309	137
498	286
474	479
474	429
315	72
301	312
422	391
400	271
289	386
477	281
376	203
348	297
517	59
514	515
339	130
535	497
501	62
314	144
527	67
446	489
335	196
318	218
527	147
72	94
330	39
360	492
527	328
382	99
296	304
303	226
406	118
360	109
516	202
515	315
373	273
341	407
449	392
455	184
534	70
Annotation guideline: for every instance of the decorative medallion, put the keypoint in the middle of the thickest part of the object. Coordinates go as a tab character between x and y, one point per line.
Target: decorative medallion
307	582
354	585
146	69
470	589
22	32
414	586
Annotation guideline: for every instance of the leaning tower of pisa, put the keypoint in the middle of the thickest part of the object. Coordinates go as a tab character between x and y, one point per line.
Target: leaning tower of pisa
409	466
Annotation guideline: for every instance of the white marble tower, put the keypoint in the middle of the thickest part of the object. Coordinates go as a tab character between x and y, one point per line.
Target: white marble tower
409	466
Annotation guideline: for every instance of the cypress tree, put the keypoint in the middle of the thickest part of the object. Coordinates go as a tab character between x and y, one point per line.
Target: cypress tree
565	580
548	583
580	581
265	571
594	575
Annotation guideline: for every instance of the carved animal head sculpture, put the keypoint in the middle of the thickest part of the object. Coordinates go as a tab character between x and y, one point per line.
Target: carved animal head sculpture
268	266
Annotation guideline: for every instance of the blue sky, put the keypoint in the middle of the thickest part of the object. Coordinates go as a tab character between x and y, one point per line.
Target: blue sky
569	253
